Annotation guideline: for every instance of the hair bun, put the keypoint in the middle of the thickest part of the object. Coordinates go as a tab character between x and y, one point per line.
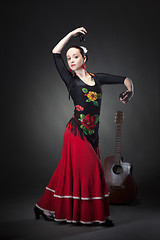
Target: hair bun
84	49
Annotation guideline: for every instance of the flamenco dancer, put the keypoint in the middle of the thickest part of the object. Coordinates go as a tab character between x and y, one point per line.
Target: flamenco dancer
77	191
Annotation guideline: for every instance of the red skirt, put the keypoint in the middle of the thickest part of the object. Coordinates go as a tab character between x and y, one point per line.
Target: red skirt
77	191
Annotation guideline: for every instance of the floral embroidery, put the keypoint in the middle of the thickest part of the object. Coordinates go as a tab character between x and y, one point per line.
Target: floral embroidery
79	108
85	90
88	123
92	96
92	74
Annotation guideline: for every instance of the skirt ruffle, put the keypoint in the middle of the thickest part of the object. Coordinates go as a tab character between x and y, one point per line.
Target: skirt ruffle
77	191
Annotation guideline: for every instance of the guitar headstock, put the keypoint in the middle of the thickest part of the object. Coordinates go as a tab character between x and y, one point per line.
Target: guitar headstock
119	117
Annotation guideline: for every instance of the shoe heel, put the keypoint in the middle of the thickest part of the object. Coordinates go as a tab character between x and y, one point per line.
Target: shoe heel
36	212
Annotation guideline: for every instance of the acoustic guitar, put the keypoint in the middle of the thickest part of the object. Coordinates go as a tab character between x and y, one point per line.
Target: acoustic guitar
118	174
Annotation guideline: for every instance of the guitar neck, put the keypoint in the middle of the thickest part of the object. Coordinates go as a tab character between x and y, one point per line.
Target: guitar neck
118	140
118	120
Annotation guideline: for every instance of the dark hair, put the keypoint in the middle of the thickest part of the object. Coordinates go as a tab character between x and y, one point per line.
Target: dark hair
81	51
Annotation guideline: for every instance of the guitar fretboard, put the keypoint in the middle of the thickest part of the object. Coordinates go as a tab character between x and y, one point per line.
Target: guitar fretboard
118	140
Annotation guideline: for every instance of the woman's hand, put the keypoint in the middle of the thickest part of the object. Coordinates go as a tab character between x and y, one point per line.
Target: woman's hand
75	32
126	96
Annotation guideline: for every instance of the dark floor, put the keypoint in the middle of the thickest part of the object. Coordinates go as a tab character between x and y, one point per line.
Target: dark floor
139	220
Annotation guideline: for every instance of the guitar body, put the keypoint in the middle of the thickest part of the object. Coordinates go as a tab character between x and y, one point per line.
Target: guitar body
119	179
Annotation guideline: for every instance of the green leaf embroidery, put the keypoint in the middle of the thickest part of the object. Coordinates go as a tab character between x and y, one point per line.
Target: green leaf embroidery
85	132
82	126
91	132
82	116
95	103
97	119
85	90
99	95
88	100
96	115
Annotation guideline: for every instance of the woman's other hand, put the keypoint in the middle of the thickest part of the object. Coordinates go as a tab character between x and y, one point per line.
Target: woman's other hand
126	96
75	32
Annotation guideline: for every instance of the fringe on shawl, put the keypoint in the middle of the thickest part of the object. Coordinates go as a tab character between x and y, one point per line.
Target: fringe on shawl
73	126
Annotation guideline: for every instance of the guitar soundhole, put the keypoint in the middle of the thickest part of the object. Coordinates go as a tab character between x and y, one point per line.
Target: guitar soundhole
117	169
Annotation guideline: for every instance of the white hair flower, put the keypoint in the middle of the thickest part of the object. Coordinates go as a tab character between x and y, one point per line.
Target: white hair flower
84	49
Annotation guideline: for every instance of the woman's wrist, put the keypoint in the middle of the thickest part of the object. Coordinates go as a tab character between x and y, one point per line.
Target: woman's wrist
129	85
69	35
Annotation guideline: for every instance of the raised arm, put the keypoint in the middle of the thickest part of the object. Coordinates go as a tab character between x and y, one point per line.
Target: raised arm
105	78
58	48
61	67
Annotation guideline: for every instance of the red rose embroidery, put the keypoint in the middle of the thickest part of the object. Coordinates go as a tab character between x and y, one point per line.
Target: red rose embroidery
89	122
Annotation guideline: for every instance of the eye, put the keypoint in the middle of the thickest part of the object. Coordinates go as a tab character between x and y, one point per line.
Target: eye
68	59
76	56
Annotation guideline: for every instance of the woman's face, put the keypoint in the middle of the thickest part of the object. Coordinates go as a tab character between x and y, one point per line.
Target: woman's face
75	59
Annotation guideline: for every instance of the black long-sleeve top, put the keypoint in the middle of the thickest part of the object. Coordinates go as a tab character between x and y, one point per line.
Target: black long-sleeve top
86	98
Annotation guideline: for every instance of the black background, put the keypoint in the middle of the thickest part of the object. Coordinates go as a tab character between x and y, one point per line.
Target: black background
123	40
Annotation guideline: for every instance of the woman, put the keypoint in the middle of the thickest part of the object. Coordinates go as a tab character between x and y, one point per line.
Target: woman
77	191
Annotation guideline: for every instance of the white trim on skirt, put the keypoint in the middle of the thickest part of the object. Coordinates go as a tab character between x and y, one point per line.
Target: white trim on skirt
74	197
73	221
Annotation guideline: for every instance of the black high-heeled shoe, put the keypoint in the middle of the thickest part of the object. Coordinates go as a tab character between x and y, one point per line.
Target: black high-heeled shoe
38	212
108	223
